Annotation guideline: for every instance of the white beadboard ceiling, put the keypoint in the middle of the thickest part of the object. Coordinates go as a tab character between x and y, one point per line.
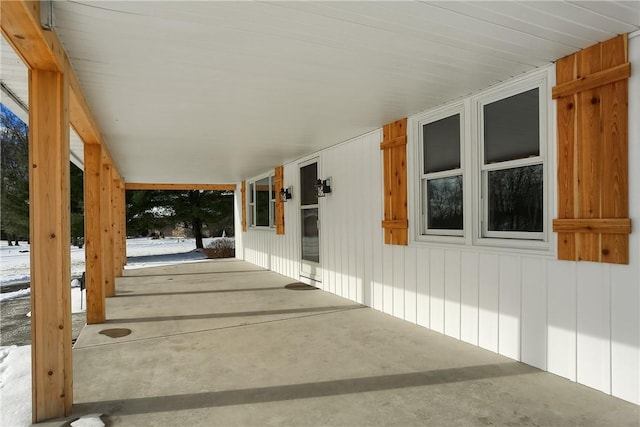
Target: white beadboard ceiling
217	92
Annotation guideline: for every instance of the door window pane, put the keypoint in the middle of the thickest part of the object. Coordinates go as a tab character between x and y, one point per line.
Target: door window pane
308	179
441	141
444	198
515	199
512	128
310	237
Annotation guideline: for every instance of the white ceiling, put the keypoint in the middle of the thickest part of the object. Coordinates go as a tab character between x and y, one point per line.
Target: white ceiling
217	92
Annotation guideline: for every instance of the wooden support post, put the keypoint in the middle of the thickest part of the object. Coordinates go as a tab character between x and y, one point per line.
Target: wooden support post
107	229
123	219
93	234
117	229
51	370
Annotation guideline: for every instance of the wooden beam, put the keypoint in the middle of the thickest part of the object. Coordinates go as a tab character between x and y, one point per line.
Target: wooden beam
93	234
39	49
148	186
107	229
49	195
81	119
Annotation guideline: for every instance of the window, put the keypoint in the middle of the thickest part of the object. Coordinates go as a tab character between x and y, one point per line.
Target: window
252	205
480	168
261	202
512	168
442	180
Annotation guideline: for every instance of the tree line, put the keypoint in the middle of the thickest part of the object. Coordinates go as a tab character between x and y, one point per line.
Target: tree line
198	213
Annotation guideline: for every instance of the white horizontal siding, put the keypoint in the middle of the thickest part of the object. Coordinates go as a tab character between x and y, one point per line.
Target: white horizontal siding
577	320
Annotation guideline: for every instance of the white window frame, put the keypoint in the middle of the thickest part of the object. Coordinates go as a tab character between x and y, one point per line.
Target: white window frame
424	231
474	170
252	202
482	236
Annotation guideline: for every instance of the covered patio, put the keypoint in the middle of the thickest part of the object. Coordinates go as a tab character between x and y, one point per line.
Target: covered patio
228	343
373	149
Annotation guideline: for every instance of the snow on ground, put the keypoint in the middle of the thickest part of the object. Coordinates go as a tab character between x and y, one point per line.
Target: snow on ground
15	361
16	294
141	252
91	420
15	386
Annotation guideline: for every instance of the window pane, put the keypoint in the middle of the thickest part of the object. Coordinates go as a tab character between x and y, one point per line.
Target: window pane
512	128
310	241
262	202
252	219
441	141
444	208
308	179
273	188
272	221
515	199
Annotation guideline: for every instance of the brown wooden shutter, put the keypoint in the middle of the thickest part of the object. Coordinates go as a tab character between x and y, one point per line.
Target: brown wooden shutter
243	191
278	184
593	200
394	149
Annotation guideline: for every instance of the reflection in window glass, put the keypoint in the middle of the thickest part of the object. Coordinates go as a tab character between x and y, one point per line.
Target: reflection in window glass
444	197
262	202
515	199
441	141
310	236
308	179
512	128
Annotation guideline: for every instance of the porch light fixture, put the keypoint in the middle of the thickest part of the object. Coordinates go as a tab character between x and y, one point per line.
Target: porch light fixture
323	187
286	194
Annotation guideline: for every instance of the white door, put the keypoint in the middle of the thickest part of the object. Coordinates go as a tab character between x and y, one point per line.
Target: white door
310	221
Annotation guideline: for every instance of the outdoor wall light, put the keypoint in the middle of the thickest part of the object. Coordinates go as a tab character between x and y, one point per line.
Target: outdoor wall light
323	187
286	194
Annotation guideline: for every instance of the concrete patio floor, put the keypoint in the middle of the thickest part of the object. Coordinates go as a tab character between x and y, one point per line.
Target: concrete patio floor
225	343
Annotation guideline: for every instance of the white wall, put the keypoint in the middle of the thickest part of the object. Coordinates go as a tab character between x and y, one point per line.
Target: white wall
579	320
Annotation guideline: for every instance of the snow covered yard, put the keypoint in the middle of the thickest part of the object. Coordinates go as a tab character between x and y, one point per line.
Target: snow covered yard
15	361
141	252
15	386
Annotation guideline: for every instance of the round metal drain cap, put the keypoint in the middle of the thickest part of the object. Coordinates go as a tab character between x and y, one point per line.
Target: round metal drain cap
299	286
115	332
